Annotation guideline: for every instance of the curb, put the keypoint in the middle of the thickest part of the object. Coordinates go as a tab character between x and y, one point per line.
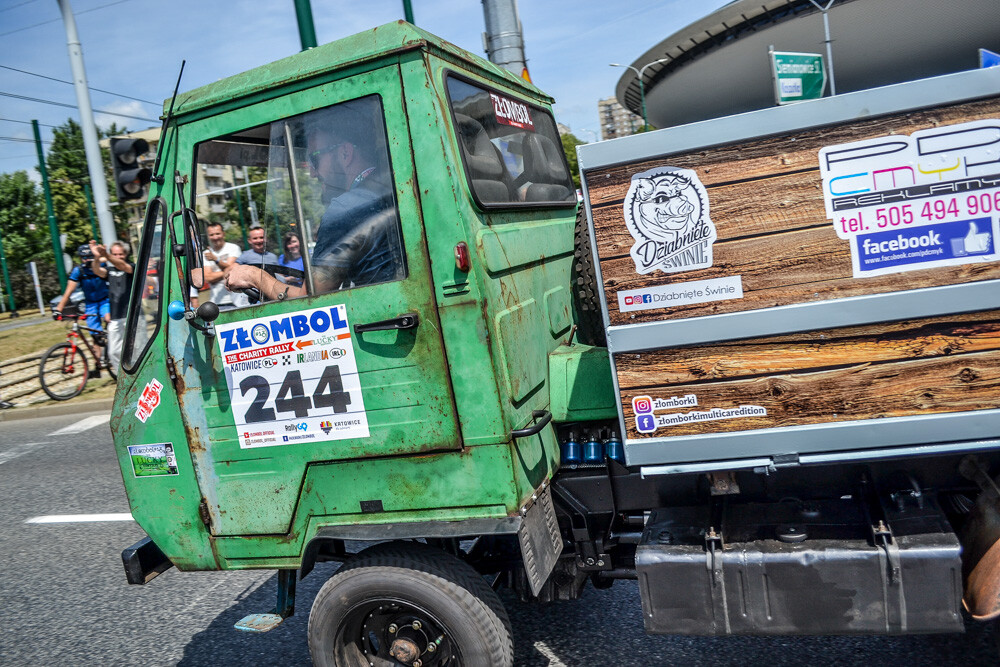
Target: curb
71	408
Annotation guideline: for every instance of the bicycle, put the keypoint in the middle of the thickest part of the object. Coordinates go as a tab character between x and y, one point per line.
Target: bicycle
64	370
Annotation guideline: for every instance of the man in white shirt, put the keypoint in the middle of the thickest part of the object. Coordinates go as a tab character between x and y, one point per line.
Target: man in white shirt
220	258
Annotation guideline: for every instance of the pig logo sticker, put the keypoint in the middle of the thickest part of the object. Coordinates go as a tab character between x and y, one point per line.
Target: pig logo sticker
666	211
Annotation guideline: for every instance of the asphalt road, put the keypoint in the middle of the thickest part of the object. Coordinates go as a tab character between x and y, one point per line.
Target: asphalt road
64	600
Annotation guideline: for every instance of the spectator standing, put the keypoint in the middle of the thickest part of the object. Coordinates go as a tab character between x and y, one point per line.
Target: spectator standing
220	257
119	277
95	290
258	253
292	257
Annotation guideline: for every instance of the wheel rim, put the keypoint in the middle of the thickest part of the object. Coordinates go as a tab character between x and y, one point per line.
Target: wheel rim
396	632
64	373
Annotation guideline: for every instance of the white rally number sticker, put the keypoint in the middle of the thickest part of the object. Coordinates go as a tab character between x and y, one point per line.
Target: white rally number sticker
293	378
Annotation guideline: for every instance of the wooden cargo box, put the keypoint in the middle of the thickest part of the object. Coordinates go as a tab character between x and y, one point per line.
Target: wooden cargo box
810	282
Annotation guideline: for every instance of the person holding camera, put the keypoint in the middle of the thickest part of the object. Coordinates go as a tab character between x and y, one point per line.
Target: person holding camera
95	289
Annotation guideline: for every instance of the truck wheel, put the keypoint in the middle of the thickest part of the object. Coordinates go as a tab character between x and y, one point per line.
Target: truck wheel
590	324
399	603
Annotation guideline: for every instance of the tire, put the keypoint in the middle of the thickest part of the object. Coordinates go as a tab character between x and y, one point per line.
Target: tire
352	618
586	299
63	371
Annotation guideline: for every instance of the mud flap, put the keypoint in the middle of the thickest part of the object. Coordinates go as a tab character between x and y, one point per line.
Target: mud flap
541	543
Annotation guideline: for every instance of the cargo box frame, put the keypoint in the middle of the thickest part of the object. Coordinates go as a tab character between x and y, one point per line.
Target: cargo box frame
852	440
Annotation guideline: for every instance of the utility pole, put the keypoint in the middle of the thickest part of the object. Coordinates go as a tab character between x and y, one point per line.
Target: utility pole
6	281
57	251
642	86
829	50
503	41
307	30
95	164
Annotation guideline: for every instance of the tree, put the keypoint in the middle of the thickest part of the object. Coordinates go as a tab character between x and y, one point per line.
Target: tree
25	232
569	144
68	158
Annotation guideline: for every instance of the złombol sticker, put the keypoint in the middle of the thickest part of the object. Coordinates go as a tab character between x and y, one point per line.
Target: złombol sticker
666	211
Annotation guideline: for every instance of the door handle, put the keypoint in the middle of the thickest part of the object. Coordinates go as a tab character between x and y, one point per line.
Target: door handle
407	321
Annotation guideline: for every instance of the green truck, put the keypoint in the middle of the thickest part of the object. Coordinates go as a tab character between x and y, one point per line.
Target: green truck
456	378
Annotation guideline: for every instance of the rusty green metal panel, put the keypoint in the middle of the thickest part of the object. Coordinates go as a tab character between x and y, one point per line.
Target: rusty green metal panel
581	388
403	374
475	483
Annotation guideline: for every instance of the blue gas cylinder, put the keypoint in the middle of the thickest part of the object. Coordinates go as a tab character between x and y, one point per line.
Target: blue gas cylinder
570	450
613	449
593	450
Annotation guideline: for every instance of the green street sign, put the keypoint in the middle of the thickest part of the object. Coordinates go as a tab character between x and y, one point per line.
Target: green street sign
797	76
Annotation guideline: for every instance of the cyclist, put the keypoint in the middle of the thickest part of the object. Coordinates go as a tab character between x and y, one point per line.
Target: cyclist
95	289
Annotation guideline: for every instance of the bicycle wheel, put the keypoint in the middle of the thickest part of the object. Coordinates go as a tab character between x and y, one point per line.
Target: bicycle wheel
63	371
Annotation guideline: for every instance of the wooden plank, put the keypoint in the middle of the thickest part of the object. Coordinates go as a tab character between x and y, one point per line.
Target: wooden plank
766	203
816	350
861	391
794	201
780	154
796	267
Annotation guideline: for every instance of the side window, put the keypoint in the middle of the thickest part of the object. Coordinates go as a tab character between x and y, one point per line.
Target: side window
511	149
309	200
144	315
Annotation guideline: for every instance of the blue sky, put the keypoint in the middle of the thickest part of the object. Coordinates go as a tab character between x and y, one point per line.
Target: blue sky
568	43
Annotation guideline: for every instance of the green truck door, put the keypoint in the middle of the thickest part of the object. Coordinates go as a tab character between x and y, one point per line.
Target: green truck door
286	384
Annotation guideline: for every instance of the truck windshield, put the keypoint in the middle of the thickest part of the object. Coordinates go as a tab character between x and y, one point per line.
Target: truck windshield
512	152
310	199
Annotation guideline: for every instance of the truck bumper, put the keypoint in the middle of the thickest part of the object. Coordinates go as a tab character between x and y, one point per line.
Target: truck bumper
143	561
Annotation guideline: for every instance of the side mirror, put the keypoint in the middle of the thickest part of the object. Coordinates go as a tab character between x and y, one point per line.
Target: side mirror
192	249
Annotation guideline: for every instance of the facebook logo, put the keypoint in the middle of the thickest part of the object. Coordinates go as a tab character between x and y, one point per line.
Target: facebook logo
645	423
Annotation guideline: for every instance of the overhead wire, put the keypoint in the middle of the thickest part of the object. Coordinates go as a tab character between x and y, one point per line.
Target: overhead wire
73	106
98	90
85	11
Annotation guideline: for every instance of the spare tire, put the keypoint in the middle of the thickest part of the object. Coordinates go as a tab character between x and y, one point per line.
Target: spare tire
586	297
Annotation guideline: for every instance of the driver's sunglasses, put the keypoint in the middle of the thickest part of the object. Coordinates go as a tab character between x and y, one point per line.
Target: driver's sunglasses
316	155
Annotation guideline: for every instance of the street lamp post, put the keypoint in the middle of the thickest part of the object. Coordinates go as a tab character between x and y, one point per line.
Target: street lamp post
642	88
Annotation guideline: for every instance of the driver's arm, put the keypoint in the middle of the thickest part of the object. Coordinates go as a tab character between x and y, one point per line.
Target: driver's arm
243	276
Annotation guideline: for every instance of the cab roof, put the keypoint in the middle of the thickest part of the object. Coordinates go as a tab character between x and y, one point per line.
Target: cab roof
378	43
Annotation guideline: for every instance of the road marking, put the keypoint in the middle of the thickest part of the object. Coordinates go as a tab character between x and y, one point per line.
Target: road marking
80	518
14	452
83	425
554	660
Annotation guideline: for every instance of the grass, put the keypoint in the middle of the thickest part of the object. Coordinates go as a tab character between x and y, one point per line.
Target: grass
38	337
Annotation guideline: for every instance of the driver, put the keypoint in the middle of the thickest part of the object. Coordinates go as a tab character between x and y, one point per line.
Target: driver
358	240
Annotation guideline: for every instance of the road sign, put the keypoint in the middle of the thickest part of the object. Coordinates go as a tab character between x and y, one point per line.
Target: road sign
988	58
797	76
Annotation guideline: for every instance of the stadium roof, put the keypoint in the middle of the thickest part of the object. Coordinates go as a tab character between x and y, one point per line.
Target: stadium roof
719	65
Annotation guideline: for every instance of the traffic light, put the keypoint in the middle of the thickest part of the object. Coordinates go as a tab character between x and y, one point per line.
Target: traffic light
129	175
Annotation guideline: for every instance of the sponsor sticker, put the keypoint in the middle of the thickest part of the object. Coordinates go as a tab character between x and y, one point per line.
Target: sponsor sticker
293	378
511	112
647	421
679	294
926	200
148	400
666	212
153	460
